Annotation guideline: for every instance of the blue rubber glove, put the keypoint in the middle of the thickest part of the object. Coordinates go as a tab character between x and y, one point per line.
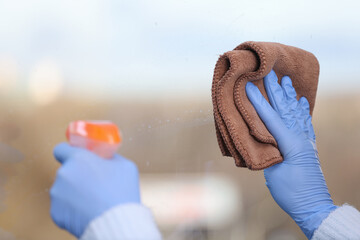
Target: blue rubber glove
87	185
297	184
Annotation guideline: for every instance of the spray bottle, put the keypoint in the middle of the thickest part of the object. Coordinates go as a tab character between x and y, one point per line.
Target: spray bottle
101	137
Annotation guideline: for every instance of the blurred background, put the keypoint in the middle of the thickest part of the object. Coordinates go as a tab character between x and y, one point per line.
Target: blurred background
147	66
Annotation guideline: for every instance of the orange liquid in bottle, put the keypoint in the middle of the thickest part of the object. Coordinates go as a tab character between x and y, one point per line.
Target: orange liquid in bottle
100	137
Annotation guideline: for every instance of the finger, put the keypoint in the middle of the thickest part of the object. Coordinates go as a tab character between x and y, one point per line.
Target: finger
311	132
63	151
278	99
306	118
301	115
118	157
292	102
304	105
289	91
268	115
275	93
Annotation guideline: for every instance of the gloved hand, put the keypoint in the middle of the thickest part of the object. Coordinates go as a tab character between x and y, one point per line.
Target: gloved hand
297	184
87	185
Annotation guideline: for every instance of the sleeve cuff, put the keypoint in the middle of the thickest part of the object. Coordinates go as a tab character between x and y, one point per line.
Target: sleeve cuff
343	223
128	221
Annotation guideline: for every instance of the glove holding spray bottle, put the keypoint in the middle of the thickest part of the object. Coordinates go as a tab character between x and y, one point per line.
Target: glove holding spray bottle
92	178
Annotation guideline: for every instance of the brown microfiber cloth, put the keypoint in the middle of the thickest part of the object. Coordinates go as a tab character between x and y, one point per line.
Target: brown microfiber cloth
240	132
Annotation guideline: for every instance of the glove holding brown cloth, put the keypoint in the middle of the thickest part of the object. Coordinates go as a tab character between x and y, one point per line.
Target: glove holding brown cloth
240	131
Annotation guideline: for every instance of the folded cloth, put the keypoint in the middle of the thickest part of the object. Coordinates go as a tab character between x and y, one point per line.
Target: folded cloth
240	132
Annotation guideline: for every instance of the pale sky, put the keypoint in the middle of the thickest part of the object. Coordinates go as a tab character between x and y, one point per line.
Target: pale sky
151	47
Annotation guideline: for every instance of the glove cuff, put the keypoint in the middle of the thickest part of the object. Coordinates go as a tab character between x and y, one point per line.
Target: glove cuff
311	223
126	221
343	223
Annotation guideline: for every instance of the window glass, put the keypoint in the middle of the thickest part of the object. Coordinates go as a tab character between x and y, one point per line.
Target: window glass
147	66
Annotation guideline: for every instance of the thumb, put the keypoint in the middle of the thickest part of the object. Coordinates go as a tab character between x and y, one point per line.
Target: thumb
63	151
268	115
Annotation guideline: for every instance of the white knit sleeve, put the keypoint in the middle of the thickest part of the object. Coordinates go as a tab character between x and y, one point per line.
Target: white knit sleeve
343	223
123	222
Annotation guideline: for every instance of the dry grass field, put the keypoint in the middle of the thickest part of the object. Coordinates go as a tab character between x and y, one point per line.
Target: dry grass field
162	137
